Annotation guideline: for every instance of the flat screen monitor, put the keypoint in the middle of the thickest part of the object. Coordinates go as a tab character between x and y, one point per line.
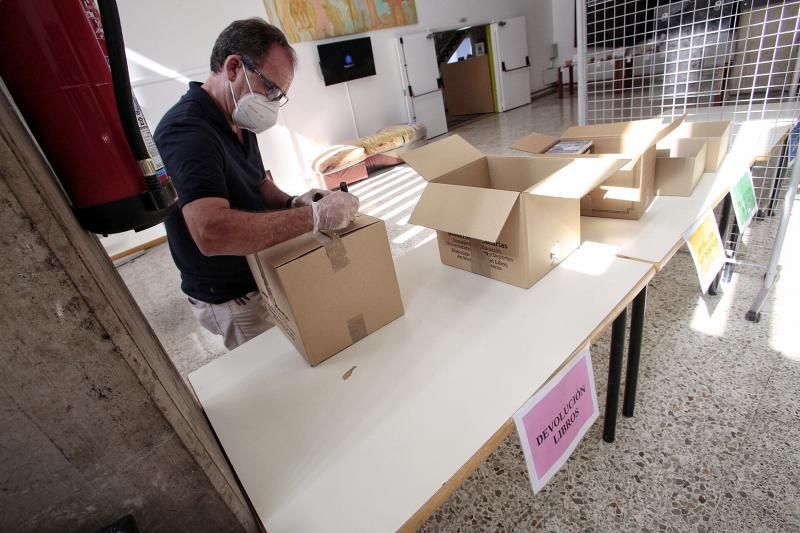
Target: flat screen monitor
346	60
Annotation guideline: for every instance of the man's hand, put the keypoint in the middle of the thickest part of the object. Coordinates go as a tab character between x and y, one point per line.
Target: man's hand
334	212
307	199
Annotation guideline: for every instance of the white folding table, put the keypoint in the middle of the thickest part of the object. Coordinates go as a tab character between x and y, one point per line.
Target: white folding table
658	235
375	438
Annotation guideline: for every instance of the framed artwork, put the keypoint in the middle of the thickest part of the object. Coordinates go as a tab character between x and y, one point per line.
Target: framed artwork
311	20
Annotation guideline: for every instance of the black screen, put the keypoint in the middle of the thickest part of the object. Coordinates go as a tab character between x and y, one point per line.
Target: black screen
346	60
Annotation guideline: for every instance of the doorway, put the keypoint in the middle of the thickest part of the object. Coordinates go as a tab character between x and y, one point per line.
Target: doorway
465	71
472	71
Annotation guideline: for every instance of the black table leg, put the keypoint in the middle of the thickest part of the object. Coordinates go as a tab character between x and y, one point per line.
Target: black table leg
727	270
724	222
614	375
634	352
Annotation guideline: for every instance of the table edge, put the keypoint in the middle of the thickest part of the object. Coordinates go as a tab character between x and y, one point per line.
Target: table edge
456	480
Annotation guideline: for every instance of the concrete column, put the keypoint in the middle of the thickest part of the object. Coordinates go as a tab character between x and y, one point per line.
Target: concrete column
95	422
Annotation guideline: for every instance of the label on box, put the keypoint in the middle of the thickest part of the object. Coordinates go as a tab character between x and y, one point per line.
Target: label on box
552	423
743	196
705	245
482	257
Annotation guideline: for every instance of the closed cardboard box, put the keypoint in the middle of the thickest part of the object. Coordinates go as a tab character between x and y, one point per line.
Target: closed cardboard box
679	168
325	297
511	219
629	191
716	134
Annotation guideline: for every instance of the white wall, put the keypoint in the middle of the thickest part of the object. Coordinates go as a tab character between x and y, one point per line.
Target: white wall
177	36
564	29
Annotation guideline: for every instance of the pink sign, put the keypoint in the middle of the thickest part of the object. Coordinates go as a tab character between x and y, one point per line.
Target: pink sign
555	419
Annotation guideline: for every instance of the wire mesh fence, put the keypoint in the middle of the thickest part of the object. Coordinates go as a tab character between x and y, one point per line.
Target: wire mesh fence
712	60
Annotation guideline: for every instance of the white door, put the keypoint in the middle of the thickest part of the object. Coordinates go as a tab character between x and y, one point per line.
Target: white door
420	73
511	62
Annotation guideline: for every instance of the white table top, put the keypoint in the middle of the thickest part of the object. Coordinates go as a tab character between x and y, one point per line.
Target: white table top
316	452
658	234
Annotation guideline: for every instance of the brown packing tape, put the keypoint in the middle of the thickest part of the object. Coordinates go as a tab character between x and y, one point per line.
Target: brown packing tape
479	260
357	327
336	252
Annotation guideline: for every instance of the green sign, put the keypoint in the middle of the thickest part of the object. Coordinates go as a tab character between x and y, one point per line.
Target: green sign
743	196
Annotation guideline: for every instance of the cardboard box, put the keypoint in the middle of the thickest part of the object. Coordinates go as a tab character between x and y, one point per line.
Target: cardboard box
511	219
325	297
679	168
716	134
629	192
468	86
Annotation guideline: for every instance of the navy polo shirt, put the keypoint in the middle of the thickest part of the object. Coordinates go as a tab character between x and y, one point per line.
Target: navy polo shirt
205	158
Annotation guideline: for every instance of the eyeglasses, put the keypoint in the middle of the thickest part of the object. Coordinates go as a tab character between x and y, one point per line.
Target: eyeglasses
274	93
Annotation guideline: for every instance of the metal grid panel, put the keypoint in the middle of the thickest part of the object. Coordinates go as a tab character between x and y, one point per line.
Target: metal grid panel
714	60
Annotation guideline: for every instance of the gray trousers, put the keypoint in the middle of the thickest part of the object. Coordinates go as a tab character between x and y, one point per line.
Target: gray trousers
237	320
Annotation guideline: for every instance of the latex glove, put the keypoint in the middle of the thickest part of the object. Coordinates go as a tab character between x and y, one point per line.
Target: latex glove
307	198
334	212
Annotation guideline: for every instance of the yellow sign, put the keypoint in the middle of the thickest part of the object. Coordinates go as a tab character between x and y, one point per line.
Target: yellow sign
705	245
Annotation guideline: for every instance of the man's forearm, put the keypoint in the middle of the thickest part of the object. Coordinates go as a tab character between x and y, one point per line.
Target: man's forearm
273	196
235	232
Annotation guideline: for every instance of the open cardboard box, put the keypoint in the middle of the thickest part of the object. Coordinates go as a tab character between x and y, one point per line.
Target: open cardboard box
511	219
629	191
327	296
679	168
716	134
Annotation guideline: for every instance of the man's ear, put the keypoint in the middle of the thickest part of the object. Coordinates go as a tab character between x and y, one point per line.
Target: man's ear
231	66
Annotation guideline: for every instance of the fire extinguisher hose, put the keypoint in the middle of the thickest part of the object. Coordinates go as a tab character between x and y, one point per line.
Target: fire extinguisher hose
112	30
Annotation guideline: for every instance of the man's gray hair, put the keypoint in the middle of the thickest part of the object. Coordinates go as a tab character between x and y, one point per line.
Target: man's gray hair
253	37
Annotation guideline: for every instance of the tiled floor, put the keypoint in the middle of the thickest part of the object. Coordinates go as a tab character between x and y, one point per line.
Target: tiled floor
715	443
713	446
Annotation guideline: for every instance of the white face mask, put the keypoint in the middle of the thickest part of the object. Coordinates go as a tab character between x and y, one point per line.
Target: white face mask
253	111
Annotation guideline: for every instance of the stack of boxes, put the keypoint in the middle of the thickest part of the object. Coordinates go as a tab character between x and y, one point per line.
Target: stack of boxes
629	192
684	155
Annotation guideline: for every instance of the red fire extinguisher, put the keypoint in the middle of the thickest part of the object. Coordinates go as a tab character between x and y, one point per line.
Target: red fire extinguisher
64	64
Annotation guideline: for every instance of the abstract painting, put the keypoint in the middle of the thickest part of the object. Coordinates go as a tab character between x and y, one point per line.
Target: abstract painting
310	20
